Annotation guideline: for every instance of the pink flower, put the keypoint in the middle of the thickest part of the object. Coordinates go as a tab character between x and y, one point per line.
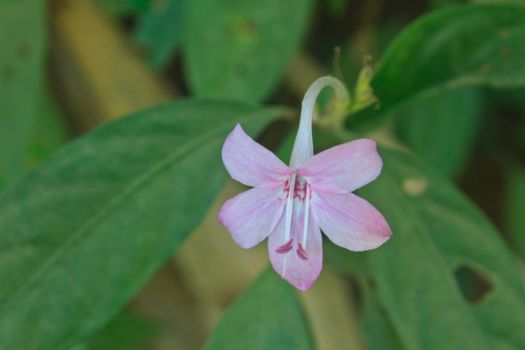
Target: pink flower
292	204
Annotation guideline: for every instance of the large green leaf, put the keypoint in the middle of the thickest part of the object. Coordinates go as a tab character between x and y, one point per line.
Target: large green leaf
437	233
239	48
467	45
267	316
439	237
84	231
22	43
442	128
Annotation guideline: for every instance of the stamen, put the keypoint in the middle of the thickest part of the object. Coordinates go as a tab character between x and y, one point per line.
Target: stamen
288	218
301	252
285	248
289	207
306	213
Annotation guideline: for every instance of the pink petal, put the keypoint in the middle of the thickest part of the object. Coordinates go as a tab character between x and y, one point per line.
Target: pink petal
252	215
298	265
343	168
350	221
250	163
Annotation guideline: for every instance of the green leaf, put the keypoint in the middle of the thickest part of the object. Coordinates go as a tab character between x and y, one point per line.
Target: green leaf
438	233
239	49
266	316
377	328
85	230
21	63
418	275
442	128
124	332
120	8
467	45
160	30
48	132
514	208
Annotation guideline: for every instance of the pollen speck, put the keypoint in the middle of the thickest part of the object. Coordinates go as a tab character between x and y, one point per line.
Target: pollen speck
415	187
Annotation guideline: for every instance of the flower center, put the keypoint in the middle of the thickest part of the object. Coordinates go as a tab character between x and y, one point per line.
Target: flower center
297	193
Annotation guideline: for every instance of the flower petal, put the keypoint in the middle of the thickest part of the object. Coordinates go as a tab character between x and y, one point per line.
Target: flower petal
343	168
298	265
350	221
252	215
250	163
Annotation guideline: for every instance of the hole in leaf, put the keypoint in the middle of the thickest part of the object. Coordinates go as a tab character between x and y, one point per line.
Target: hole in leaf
473	284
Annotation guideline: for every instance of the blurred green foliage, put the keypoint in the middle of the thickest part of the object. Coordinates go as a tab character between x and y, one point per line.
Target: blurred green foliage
280	322
99	185
240	49
161	30
31	125
84	231
515	208
120	8
378	329
125	331
438	231
21	72
474	45
442	128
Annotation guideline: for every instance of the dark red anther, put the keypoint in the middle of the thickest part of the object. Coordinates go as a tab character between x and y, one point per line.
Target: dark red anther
285	248
301	252
287	186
